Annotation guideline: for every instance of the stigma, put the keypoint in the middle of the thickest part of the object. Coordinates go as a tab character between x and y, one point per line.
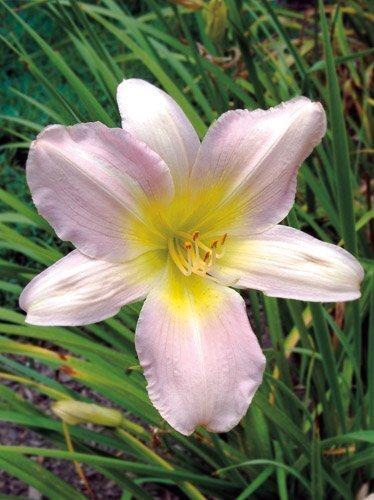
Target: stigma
192	256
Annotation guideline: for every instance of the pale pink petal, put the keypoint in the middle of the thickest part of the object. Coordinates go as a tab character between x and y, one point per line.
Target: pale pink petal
200	357
285	262
78	290
154	117
250	160
91	183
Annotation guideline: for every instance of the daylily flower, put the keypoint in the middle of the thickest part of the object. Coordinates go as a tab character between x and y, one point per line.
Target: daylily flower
156	215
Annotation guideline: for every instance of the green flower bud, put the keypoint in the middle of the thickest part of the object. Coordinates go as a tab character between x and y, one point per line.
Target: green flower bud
190	4
216	20
75	412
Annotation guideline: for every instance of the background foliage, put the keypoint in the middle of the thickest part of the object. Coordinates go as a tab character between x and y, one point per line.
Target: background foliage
308	433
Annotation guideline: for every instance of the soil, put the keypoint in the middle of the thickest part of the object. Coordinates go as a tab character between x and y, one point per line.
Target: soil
12	434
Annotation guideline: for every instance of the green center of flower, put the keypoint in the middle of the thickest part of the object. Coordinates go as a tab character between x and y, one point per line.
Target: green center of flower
192	256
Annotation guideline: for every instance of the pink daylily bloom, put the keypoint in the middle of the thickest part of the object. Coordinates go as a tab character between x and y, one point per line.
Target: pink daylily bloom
156	215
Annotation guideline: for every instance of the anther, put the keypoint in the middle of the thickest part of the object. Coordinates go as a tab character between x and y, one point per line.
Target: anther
206	256
195	235
223	239
187	245
214	244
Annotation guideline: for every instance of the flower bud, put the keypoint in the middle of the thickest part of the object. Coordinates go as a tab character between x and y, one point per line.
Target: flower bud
216	20
190	4
76	412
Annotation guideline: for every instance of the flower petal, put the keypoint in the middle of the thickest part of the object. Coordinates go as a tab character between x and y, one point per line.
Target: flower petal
154	117
78	290
285	262
251	159
200	357
92	182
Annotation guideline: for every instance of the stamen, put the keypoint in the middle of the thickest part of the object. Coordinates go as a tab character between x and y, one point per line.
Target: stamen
220	278
191	255
223	248
185	263
189	263
186	236
221	281
196	259
176	258
214	255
